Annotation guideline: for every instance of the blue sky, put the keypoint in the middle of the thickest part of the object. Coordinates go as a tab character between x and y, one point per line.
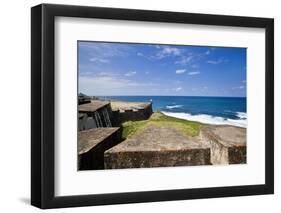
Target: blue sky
108	69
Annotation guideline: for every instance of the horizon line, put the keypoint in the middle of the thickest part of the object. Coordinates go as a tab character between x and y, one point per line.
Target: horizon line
167	96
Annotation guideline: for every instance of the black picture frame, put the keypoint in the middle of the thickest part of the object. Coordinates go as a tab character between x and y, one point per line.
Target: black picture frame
43	102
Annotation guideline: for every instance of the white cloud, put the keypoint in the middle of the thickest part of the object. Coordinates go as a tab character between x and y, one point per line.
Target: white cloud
112	85
194	73
218	61
184	60
102	52
181	71
101	60
108	74
139	54
165	51
103	49
129	74
191	58
178	89
171	50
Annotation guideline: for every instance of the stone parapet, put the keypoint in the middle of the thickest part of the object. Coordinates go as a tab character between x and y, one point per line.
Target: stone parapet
157	147
131	111
227	143
96	114
93	143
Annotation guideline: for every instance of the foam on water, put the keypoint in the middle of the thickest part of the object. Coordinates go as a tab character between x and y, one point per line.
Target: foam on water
173	106
242	115
242	122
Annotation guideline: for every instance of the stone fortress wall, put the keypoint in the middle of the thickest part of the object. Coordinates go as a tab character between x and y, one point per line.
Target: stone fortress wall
101	146
98	113
133	114
95	117
99	125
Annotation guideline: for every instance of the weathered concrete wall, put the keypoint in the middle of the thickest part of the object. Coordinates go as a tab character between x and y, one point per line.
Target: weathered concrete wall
92	145
219	153
95	117
149	159
166	147
85	122
157	147
227	143
120	116
100	114
237	155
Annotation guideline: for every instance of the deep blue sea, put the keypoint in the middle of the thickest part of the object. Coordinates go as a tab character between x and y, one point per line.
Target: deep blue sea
213	110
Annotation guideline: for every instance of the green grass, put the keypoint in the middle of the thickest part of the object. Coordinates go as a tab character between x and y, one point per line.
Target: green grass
131	128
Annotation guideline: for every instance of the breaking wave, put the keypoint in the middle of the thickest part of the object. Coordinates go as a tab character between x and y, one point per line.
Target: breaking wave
173	106
242	122
242	115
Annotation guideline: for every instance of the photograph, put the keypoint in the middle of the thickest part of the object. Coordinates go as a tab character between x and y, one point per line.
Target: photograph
139	105
145	105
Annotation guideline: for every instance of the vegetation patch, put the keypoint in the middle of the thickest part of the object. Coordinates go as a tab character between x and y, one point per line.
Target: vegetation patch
158	119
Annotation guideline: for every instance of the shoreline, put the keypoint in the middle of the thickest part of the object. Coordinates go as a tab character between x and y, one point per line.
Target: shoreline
108	135
123	105
207	119
202	118
240	121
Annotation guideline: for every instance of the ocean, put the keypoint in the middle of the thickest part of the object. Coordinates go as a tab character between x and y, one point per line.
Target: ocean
211	110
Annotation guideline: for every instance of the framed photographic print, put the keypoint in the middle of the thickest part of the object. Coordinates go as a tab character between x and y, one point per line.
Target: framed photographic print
139	106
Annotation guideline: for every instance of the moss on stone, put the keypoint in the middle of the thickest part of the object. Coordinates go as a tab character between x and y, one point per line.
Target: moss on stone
131	128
